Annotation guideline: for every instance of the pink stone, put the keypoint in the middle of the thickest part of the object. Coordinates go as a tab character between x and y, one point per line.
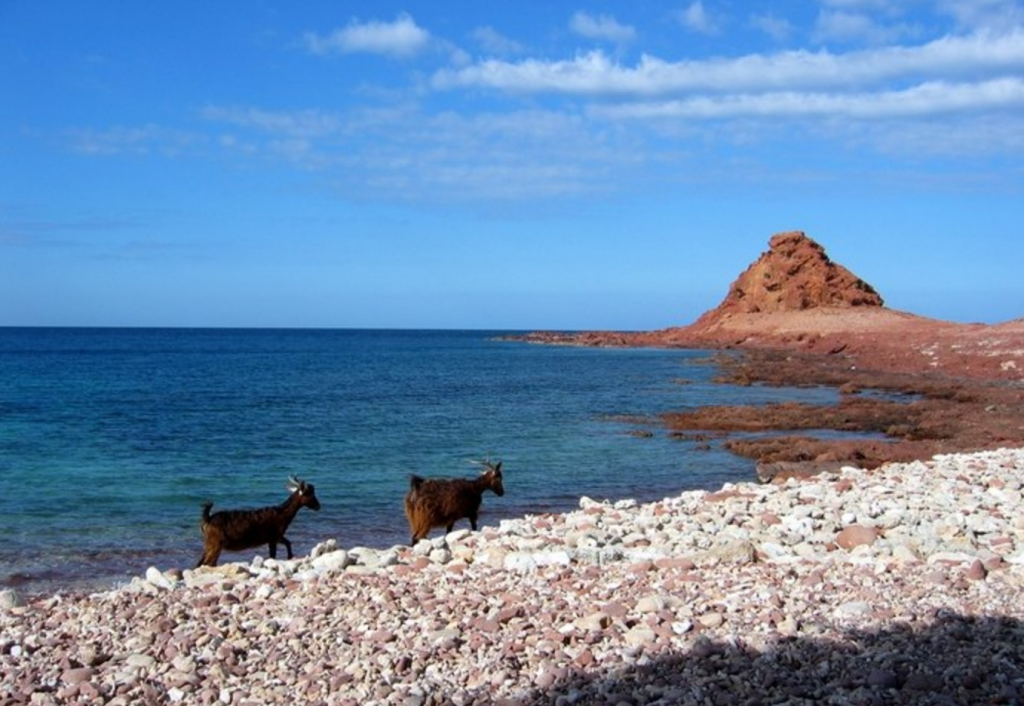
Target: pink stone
856	536
506	614
977	571
842	486
585	658
994	563
78	675
614	609
546	679
641	567
485	625
674	563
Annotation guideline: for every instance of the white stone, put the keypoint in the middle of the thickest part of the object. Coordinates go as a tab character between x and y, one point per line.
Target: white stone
682	627
1017	558
594	621
773	551
388	557
984	524
331	561
951	558
852	609
458	535
325	547
10	598
522	562
554	557
142	661
639	636
904	553
156	577
365	556
651	604
711	620
440	556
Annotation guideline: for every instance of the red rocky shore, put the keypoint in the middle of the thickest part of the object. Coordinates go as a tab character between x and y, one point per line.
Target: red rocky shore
796	318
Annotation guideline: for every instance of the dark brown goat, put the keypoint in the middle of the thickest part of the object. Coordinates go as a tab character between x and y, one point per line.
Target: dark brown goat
433	502
235	530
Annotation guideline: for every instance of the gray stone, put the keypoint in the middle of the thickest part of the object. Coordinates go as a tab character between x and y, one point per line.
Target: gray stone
10	598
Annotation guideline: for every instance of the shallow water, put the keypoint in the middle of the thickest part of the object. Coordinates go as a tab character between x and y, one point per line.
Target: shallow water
110	439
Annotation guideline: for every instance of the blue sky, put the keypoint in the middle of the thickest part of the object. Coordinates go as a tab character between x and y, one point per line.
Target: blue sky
500	165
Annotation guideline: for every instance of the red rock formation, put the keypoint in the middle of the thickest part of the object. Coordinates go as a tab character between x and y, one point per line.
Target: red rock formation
794	297
793	275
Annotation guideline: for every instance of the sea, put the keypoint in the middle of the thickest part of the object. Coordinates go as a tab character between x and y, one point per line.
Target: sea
111	439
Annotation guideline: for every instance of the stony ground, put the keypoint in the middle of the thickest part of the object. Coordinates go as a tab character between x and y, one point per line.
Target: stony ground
901	585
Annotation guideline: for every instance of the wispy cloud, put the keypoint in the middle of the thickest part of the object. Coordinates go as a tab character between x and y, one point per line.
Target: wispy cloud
406	153
860	4
593	122
602	27
984	14
494	43
24	227
923	100
855	27
139	140
697	19
294	124
777	28
401	38
596	74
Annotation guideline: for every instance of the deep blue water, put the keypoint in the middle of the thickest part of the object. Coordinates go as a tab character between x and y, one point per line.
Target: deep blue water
110	439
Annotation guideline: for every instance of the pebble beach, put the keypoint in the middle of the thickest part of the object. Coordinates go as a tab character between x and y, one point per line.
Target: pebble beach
904	584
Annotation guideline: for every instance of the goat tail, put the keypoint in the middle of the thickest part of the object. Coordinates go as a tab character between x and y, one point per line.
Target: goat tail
206	512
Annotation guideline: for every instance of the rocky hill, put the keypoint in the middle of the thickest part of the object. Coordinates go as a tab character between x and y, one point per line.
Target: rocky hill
794	274
795	297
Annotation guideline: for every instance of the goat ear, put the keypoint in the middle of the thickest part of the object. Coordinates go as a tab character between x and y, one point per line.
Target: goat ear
497	467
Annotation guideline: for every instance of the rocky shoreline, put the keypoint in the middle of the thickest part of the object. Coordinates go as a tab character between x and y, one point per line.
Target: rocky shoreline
897	585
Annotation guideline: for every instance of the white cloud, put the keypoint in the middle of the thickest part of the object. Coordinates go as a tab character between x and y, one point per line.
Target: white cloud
923	100
401	38
603	27
493	42
403	152
984	14
135	140
595	74
850	27
294	124
860	4
777	28
619	123
697	19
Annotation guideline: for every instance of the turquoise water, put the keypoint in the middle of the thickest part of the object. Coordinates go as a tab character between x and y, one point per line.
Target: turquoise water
110	439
